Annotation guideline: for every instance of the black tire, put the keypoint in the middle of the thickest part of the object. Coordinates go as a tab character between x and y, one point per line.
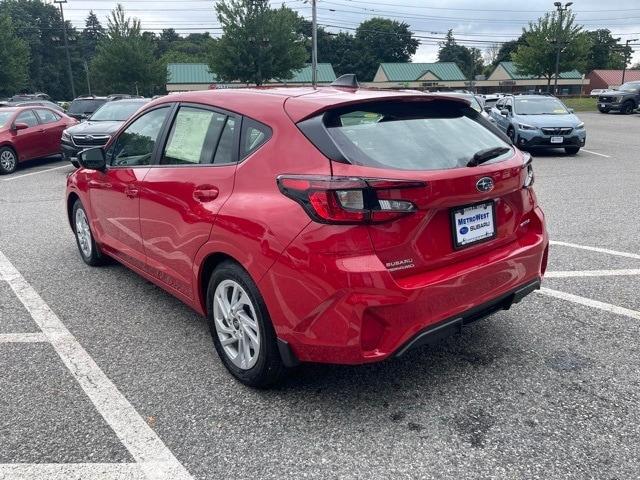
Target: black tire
627	107
92	256
603	110
268	368
571	150
8	160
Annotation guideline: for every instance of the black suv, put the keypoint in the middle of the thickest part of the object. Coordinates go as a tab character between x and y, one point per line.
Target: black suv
624	99
82	107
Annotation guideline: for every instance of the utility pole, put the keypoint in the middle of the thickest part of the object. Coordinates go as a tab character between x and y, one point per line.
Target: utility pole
559	44
86	71
626	57
314	44
66	47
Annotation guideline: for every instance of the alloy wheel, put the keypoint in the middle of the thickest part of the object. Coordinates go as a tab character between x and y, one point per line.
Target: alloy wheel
8	161
83	233
236	324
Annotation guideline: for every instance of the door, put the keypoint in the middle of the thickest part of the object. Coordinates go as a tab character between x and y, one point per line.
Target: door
181	195
114	193
51	127
28	141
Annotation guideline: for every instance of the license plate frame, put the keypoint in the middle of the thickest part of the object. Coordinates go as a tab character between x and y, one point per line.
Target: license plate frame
458	238
556	140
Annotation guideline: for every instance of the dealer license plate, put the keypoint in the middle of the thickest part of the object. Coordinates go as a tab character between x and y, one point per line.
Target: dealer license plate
473	224
557	139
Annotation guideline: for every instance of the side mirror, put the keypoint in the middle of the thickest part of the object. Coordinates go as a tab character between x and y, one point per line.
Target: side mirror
504	112
20	126
93	159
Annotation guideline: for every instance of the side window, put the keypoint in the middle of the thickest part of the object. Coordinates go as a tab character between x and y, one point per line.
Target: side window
509	104
193	138
254	134
224	151
27	117
135	145
47	116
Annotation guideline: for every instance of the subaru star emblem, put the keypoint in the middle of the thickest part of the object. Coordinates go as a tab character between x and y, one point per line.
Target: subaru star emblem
89	137
485	184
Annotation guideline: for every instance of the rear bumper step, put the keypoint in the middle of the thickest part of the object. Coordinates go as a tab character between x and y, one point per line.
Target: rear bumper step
435	333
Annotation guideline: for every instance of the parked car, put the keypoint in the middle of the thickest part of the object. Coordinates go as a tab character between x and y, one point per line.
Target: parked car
623	99
477	102
333	225
490	101
539	121
83	107
29	132
34	103
30	96
597	91
98	128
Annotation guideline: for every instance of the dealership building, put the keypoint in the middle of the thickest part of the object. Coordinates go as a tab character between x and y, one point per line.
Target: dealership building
185	77
448	76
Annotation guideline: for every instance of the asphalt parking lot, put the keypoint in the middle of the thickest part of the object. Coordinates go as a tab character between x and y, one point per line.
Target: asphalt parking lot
106	376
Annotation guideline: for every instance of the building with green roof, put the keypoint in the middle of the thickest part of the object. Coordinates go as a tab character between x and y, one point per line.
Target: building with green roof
183	77
419	75
505	77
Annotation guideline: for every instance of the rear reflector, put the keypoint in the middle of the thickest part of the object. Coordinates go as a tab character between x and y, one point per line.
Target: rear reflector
349	200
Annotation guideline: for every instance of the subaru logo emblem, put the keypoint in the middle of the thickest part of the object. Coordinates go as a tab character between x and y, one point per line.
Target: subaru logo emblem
89	137
485	184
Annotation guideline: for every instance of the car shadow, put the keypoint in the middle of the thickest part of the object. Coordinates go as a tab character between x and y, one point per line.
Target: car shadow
37	162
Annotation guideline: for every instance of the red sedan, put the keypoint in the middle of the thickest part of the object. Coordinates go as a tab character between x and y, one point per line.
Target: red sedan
29	132
333	225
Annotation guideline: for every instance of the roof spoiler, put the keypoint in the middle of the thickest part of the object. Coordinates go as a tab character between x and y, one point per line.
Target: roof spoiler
348	80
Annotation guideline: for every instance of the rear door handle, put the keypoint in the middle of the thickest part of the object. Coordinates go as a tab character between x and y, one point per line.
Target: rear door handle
206	193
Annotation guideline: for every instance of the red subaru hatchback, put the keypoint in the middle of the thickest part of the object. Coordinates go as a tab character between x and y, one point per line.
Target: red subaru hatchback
332	225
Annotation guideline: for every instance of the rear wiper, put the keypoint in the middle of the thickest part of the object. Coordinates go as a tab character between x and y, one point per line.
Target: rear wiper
486	155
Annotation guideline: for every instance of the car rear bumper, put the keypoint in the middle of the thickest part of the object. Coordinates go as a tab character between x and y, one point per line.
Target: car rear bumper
351	310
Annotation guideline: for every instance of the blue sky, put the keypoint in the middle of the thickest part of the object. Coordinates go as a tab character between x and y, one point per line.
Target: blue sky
475	22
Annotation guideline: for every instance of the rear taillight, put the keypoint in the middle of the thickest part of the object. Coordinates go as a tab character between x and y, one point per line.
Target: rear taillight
349	200
529	177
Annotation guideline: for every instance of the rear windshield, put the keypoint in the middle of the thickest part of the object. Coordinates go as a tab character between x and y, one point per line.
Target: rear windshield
412	136
85	106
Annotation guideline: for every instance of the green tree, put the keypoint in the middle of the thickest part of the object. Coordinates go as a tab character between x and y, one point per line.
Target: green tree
381	40
14	58
91	35
605	51
125	61
258	43
537	56
451	51
39	25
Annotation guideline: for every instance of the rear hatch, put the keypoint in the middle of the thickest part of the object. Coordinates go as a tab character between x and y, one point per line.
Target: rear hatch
458	211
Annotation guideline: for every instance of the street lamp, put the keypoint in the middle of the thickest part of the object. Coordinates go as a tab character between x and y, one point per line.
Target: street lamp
561	9
626	57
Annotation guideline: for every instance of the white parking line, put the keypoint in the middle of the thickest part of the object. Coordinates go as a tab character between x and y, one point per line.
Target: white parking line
596	153
152	456
66	471
588	302
16	177
592	273
596	249
23	337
